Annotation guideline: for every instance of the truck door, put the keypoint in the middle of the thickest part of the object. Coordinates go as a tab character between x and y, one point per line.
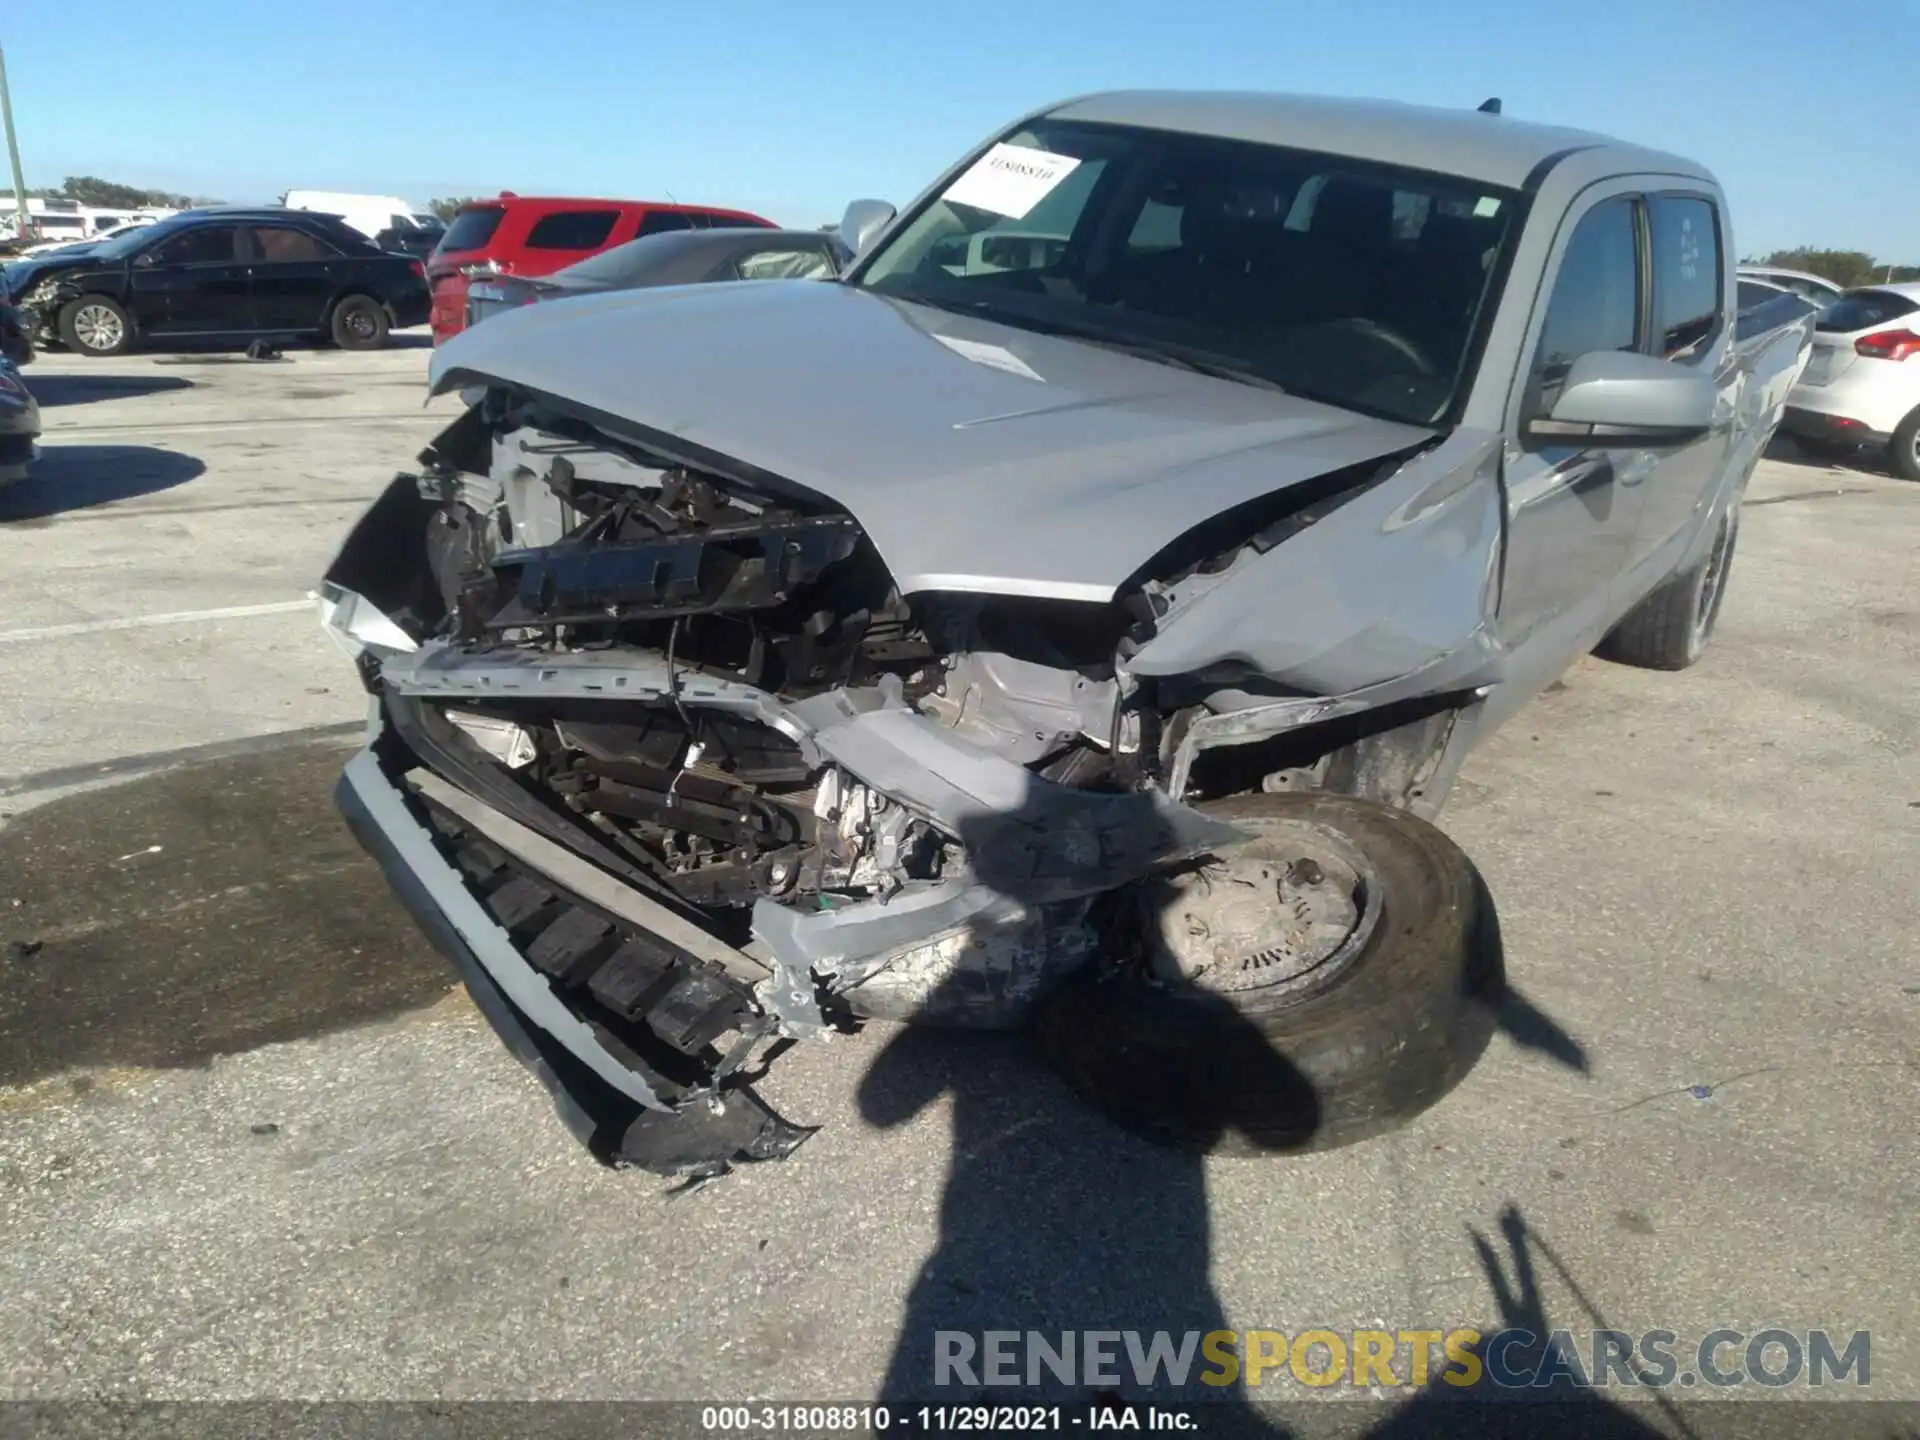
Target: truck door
1573	507
1692	326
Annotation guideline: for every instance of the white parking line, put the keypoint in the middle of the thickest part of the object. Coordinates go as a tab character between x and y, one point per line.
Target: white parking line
199	427
141	622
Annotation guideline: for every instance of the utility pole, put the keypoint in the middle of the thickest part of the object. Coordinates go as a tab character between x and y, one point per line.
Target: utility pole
13	154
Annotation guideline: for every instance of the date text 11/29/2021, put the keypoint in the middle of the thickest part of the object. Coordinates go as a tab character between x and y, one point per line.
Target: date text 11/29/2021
930	1419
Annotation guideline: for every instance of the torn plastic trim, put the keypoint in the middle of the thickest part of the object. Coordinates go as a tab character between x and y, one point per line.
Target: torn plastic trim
386	808
356	625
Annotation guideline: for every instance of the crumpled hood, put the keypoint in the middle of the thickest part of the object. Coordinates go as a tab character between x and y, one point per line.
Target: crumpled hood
976	456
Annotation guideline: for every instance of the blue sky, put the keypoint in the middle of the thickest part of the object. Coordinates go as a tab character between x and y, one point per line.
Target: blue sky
791	109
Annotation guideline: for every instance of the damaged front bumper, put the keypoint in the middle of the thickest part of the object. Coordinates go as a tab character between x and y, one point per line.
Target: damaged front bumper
610	1100
632	1009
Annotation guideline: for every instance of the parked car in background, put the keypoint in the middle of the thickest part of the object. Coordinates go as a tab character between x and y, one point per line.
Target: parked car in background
537	235
223	275
19	425
418	241
1759	306
369	214
684	257
1817	289
62	247
1861	387
1080	633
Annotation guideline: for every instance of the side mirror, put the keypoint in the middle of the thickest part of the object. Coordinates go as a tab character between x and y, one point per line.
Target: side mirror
1621	398
864	220
145	259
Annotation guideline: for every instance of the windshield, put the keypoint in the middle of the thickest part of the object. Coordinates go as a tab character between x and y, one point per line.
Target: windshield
1329	277
121	246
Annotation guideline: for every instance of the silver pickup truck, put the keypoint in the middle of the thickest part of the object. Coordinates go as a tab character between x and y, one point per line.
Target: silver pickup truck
1070	618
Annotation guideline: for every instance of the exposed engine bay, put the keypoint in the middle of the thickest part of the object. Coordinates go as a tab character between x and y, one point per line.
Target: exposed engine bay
822	799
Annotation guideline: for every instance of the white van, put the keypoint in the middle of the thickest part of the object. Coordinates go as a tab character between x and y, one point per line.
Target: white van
369	214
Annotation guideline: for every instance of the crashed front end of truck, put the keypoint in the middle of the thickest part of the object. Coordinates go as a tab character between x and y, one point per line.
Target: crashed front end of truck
670	769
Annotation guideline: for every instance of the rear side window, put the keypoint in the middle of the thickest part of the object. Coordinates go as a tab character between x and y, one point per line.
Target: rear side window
572	230
659	222
472	228
1596	299
1748	294
1686	274
1864	309
278	246
708	220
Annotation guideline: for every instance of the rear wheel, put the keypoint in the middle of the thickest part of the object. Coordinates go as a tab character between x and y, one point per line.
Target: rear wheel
96	325
1669	629
359	323
1314	985
1903	452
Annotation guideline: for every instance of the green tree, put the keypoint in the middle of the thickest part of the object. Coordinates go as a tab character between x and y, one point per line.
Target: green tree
1843	267
110	194
445	208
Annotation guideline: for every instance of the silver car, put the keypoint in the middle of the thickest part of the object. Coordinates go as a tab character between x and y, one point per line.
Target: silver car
1071	616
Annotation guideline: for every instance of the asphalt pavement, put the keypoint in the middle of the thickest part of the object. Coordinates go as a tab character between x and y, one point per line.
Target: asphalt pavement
252	1144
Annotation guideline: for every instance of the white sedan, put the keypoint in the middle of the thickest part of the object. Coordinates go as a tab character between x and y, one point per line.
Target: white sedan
1861	386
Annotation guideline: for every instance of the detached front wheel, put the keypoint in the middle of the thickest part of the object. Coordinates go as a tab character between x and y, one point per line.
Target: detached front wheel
1318	984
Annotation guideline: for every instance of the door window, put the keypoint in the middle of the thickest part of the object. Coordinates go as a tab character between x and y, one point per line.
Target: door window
1687	300
278	245
659	222
783	265
572	230
207	245
1596	299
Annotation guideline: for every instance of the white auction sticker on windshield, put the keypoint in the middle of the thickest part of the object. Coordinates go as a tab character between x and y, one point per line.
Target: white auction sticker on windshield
1010	180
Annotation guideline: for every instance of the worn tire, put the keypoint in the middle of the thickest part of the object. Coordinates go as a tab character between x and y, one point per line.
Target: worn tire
1903	451
85	320
359	322
1669	629
1260	1073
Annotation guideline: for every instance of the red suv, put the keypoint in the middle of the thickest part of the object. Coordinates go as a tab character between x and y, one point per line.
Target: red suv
523	235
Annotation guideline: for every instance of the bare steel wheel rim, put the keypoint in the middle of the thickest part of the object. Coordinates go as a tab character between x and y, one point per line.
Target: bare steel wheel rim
1713	579
359	322
97	327
1282	914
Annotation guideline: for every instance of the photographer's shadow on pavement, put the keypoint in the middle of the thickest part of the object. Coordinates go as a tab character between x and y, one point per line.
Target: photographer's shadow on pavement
1056	1219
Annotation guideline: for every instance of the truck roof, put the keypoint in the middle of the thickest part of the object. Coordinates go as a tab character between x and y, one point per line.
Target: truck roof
1493	148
